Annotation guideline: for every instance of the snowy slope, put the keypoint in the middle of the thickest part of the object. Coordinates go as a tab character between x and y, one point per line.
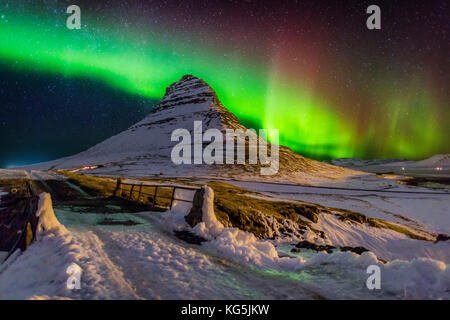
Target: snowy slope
356	162
144	149
438	160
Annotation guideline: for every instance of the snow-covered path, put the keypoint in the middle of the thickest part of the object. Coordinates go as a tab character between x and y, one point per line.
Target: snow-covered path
147	262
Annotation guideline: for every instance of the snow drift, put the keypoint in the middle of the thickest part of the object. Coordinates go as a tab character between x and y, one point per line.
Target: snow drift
420	278
48	223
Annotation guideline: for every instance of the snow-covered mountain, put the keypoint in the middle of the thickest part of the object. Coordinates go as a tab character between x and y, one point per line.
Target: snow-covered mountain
436	161
145	148
357	163
437	165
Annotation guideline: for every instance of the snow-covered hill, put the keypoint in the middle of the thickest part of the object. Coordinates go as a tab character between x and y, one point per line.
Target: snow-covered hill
441	161
436	161
356	162
145	148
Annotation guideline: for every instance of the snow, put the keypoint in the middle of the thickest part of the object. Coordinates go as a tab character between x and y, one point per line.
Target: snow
438	160
147	262
210	227
40	271
47	223
386	244
418	278
356	162
427	211
13	174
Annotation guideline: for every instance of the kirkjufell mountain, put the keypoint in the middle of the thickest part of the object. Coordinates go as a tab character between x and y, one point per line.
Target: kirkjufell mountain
145	148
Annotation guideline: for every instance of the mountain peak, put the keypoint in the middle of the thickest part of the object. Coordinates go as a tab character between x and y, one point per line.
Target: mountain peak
187	87
145	148
188	77
192	97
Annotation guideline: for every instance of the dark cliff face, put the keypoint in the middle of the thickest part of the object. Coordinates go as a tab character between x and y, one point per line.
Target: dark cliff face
190	91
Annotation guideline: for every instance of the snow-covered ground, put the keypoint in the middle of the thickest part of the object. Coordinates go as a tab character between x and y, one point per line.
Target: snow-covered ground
146	261
425	208
437	166
438	160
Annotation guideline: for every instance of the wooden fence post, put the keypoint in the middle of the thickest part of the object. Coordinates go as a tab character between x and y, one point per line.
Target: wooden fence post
118	186
139	195
171	199
154	197
131	192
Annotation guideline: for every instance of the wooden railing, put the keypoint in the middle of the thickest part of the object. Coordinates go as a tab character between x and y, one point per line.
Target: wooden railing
18	228
157	195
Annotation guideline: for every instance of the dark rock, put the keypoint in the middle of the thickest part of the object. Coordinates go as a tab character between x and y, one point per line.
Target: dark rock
357	250
196	214
327	248
189	237
111	222
442	237
316	247
309	212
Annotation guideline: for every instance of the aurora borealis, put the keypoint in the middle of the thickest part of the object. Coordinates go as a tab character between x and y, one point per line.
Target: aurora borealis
310	69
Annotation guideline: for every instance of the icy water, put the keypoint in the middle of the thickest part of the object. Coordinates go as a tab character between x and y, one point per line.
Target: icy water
157	265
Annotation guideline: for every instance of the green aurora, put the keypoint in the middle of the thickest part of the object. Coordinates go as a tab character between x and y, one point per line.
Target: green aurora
258	93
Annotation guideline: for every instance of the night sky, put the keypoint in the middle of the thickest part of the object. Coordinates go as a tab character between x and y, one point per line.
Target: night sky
311	69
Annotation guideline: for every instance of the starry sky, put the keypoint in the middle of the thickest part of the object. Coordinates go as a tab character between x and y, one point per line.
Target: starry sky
311	69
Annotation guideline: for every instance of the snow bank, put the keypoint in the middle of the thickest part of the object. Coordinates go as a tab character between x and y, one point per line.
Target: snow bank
47	223
13	174
420	278
231	241
42	271
210	227
246	247
385	243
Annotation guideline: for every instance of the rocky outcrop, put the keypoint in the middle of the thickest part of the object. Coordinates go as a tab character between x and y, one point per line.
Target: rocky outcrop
326	248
